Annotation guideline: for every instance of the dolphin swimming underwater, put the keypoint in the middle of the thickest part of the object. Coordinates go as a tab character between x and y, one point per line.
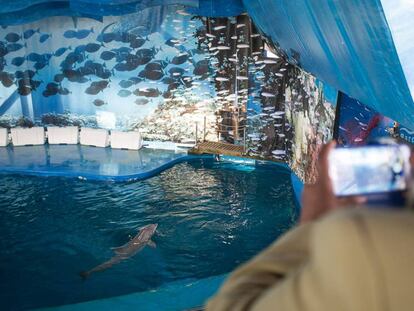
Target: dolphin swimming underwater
142	239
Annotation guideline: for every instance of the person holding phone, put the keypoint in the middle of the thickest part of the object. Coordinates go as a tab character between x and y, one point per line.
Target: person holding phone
341	256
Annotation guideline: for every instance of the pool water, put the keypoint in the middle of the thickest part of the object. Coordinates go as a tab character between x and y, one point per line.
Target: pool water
211	217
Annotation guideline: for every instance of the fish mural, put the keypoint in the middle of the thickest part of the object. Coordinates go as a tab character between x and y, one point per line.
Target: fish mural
166	72
360	124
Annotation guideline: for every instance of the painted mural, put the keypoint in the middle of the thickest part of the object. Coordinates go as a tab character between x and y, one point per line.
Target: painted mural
289	116
360	125
112	74
275	109
172	75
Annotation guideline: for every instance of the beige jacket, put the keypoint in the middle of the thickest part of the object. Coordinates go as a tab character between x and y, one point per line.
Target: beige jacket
357	259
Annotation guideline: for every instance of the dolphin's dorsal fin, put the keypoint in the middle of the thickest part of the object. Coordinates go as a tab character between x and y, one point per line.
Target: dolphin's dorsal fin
152	244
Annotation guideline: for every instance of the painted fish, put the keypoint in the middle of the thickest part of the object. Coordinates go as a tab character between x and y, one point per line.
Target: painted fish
103	73
69	34
141	101
149	92
40	65
279	152
44	37
269	61
99	102
172	42
3	49
82	34
7	79
30	32
80	49
222	79
58	77
92	47
136	80
146	52
176	71
70	73
125	67
180	59
137	42
78	79
53	87
27	74
63	91
96	87
107	55
242	46
126	84
167	80
153	66
219	27
106	37
61	51
153	75
18	61
13	47
12	37
124	93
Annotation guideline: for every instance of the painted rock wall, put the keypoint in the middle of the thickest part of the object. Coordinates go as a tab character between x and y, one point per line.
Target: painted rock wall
289	115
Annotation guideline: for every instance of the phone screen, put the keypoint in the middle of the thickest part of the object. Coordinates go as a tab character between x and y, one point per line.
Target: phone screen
369	169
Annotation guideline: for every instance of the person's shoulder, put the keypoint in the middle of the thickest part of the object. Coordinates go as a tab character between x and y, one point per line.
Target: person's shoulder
368	221
368	233
369	250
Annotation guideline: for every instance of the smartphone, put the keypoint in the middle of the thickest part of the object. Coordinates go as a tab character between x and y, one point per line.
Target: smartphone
370	170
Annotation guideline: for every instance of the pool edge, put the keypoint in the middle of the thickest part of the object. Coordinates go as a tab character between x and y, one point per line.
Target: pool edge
174	296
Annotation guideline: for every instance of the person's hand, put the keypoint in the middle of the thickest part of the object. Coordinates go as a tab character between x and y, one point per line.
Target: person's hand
319	199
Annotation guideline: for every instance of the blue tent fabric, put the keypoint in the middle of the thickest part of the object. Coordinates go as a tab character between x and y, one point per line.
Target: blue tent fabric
25	11
345	43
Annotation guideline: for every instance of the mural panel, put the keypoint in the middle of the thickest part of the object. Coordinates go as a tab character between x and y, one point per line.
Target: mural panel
112	74
360	125
289	116
169	74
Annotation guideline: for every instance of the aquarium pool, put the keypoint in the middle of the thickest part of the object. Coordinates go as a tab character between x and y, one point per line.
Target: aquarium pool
211	217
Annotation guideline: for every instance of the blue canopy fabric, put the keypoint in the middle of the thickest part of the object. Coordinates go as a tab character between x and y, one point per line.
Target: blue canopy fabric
345	43
24	11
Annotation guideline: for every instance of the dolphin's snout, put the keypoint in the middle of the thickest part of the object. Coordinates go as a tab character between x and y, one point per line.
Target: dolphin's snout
152	228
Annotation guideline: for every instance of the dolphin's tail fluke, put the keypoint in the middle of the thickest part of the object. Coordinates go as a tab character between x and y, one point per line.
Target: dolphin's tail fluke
84	275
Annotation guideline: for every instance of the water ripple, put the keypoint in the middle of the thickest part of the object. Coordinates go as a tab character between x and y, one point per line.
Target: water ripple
211	217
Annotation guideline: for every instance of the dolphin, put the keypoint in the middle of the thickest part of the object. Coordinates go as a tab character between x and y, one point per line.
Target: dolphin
142	239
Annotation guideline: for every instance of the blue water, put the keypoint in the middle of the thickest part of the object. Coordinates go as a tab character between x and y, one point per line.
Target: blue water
211	217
